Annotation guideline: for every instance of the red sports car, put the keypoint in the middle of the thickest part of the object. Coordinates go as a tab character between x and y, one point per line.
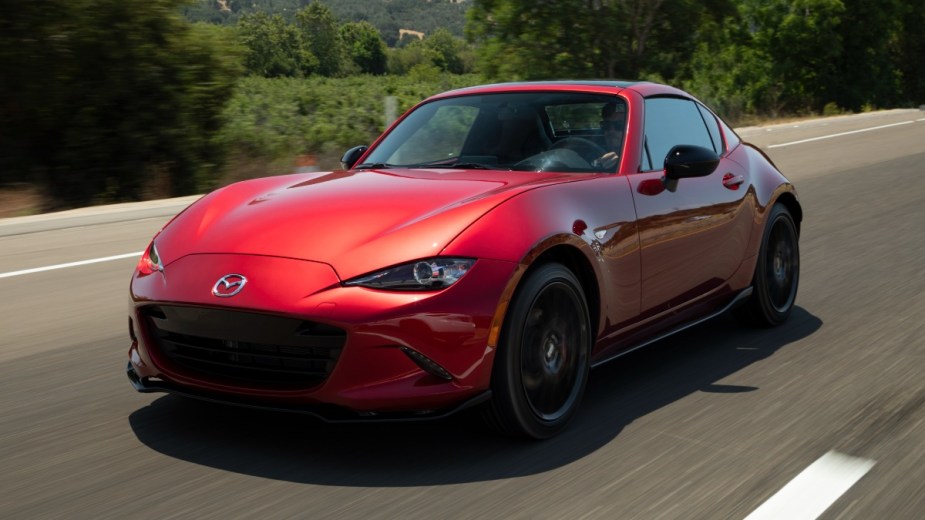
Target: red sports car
488	249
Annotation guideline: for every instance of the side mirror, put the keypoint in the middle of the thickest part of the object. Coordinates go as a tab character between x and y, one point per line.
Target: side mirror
352	155
686	160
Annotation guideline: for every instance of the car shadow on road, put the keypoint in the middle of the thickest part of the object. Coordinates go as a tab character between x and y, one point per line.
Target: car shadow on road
459	449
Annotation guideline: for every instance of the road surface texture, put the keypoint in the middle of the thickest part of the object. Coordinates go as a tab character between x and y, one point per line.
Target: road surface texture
719	422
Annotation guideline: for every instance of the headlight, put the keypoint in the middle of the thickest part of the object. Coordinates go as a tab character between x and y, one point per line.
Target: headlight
150	261
422	275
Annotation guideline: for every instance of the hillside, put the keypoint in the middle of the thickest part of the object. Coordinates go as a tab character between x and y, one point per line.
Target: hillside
389	16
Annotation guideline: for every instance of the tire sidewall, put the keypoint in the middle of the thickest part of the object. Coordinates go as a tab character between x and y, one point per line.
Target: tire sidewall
509	394
769	313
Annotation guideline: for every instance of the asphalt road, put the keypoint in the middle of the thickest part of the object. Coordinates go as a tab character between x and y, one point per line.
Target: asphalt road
709	424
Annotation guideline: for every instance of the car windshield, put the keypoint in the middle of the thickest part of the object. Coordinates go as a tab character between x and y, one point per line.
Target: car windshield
538	131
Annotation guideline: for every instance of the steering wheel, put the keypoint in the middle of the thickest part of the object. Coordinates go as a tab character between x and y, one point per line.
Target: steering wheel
586	148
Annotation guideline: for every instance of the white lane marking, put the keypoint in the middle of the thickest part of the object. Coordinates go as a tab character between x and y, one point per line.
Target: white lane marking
70	264
840	134
815	489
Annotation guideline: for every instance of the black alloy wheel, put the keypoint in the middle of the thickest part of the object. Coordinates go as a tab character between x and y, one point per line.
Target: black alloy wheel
541	367
777	273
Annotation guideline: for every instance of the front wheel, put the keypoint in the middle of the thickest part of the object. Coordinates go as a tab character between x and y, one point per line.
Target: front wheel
777	273
541	367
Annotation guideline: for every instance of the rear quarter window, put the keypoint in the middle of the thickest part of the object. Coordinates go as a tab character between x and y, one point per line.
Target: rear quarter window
713	128
732	139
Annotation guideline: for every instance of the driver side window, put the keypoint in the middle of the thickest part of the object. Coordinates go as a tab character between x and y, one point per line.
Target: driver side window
670	122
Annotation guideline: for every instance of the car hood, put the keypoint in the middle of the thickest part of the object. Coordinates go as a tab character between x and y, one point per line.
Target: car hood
355	221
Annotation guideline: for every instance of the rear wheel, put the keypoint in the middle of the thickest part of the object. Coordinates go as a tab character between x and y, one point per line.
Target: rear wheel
541	367
777	273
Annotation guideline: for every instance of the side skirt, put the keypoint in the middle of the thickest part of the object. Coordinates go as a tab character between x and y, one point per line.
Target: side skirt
738	300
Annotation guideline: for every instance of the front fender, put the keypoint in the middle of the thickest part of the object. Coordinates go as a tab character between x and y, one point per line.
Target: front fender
589	224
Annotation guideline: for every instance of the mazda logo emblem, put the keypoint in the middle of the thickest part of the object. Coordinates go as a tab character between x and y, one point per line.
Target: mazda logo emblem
229	285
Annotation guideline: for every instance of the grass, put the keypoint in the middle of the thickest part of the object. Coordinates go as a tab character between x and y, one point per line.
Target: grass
19	200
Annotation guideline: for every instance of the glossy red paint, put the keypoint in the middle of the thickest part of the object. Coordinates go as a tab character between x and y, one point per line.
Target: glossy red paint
648	259
355	221
449	327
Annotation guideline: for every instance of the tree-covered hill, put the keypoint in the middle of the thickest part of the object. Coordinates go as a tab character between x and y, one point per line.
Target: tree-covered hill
111	100
389	16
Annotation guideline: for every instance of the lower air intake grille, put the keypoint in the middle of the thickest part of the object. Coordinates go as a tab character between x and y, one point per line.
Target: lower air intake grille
226	345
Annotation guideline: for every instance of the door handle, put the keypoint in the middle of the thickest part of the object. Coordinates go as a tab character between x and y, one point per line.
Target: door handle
733	181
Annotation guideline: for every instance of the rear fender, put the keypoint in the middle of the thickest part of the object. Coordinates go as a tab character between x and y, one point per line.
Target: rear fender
770	187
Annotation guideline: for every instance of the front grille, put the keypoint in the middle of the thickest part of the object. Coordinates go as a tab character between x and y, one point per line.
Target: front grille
235	346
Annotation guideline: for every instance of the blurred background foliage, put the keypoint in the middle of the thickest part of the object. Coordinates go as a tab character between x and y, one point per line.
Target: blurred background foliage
99	96
113	100
743	57
387	16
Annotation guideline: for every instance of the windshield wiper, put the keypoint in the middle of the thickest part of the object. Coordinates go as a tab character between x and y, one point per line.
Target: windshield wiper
464	166
373	166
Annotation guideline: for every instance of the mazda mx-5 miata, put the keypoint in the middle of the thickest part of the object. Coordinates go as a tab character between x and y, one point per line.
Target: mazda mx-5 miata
489	249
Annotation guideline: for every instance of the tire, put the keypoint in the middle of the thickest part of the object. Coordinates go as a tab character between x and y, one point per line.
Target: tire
542	363
777	273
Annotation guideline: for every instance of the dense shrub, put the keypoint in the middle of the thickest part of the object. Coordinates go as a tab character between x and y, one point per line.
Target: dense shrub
281	118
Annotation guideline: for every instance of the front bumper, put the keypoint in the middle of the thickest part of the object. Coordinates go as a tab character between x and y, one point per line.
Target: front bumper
330	414
383	369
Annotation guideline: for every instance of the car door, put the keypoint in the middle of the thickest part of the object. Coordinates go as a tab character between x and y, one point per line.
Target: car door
692	239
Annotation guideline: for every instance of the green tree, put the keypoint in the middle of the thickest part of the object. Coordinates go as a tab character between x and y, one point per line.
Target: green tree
911	55
526	39
803	41
448	51
388	16
321	35
523	39
365	46
402	59
728	72
773	57
100	97
871	58
274	46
